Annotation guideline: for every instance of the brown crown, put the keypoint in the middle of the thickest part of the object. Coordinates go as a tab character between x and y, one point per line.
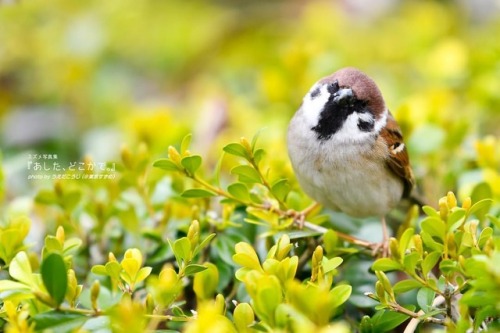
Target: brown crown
364	88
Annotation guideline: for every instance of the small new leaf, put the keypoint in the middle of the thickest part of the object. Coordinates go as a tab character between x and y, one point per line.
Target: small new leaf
191	163
246	174
239	191
236	149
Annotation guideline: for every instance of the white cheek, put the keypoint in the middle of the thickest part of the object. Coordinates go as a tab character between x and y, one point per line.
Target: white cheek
350	131
379	124
312	107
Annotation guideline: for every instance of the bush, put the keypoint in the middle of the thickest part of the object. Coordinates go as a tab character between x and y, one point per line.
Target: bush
185	252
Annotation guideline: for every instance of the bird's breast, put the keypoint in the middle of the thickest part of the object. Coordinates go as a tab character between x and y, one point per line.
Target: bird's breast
353	179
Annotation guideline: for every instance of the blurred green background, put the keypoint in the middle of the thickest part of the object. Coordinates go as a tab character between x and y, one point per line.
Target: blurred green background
82	78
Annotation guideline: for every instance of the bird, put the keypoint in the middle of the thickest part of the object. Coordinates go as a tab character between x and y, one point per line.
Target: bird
347	150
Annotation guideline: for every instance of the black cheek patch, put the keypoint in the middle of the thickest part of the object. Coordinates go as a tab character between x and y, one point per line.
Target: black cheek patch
333	116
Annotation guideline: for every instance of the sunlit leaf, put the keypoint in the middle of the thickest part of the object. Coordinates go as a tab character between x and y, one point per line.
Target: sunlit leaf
280	189
246	174
429	262
340	294
386	264
406	285
239	191
425	297
186	141
236	149
166	164
191	163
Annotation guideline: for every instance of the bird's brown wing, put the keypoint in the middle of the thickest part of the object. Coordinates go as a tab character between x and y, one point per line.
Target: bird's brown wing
398	160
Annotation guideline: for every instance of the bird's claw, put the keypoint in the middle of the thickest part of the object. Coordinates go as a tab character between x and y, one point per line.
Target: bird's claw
299	218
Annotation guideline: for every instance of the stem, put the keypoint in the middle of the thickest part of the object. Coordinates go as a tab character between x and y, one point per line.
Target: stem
412	325
81	311
264	182
415	315
346	237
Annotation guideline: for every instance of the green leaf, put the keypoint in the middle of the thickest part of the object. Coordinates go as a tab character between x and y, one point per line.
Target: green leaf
191	163
99	270
70	199
142	274
481	207
46	197
386	264
434	227
71	245
12	285
386	321
405	240
280	189
448	266
217	170
430	242
330	264
239	191
330	239
203	244
255	138
406	285
182	249
186	141
410	262
258	155
386	283
54	276
197	193
429	262
57	321
236	149
166	164
425	297
194	268
484	236
246	174
366	325
456	219
52	244
430	211
20	268
113	269
339	295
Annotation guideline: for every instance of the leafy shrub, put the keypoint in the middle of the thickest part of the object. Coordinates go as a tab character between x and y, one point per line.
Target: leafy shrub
185	252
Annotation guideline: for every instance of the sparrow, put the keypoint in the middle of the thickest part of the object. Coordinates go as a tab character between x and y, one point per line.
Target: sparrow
346	148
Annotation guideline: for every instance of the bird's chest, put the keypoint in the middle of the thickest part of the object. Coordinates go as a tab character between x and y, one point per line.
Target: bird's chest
355	180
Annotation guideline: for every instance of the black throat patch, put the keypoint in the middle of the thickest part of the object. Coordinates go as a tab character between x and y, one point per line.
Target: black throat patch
333	116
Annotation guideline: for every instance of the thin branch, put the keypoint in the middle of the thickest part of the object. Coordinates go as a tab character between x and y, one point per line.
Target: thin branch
412	325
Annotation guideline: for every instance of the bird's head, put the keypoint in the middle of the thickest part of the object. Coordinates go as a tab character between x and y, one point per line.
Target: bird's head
346	105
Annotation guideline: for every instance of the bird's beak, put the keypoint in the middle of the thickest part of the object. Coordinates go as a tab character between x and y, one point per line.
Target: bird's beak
343	96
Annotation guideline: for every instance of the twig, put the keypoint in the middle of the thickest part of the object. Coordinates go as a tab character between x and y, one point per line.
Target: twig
412	325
